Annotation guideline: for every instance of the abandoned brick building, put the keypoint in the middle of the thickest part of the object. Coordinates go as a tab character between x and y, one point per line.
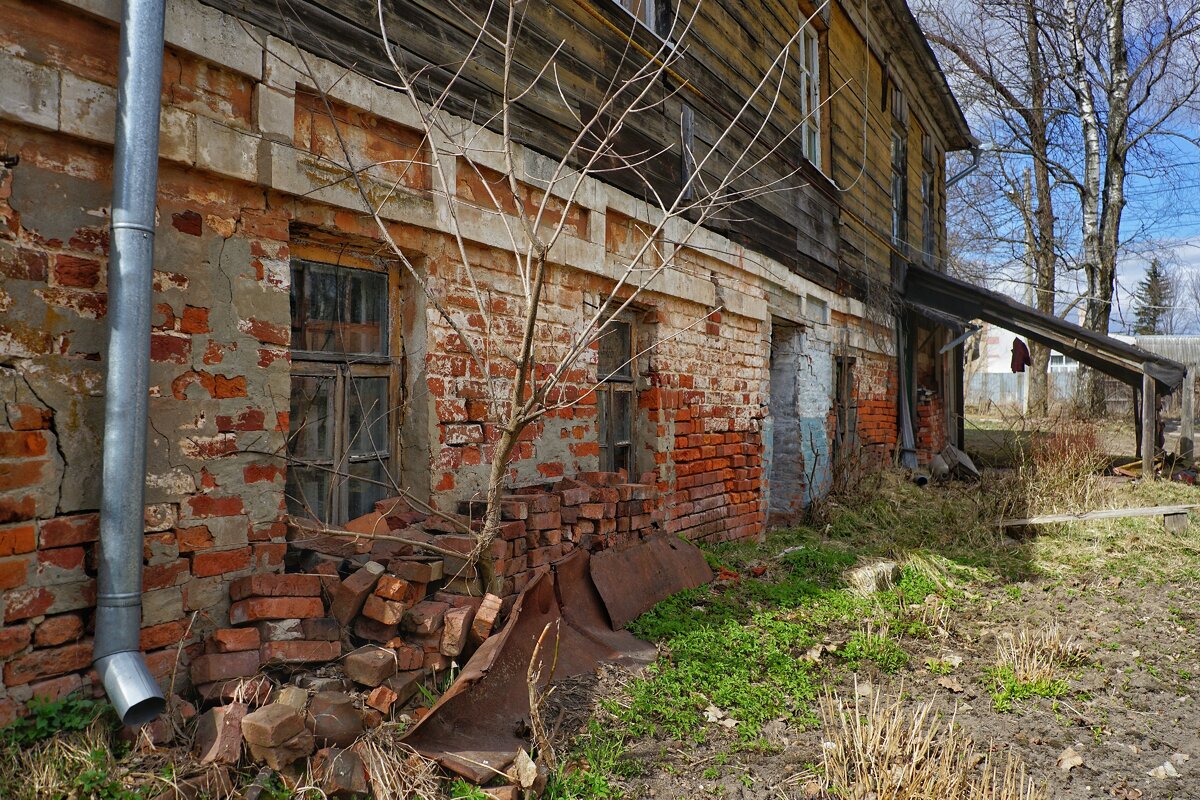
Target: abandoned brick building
763	362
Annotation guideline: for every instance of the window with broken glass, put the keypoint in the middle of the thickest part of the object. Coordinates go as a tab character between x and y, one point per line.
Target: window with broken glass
343	392
616	398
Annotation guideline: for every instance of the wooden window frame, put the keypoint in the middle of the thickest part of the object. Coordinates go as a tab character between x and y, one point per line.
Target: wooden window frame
343	369
608	387
899	188
811	139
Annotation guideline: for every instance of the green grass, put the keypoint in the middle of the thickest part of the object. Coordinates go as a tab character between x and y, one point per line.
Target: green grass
1006	690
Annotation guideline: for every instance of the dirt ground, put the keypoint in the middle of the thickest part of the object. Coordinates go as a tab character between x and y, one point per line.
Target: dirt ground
1131	705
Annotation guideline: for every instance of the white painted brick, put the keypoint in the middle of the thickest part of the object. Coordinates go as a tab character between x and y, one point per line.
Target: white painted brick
177	135
226	150
28	92
215	36
275	113
87	109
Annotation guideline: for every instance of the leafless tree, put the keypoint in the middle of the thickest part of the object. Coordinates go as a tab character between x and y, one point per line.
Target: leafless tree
998	60
532	205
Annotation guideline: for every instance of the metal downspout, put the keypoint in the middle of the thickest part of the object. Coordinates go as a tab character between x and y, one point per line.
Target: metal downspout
117	655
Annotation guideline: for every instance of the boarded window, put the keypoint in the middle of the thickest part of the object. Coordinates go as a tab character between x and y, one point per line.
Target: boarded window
343	395
616	400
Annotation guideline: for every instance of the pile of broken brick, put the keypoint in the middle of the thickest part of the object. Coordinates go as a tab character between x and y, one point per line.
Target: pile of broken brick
369	626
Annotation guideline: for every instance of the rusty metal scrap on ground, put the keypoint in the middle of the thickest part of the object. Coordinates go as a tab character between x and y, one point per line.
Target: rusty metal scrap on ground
478	725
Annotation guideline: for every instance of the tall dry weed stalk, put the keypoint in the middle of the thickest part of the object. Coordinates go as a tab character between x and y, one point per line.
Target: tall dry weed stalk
885	749
1058	470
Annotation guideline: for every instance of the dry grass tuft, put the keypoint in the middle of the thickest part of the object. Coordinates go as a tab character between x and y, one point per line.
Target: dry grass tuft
1036	656
885	749
397	771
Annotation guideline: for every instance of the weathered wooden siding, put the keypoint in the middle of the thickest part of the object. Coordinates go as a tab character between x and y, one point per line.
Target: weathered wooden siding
731	46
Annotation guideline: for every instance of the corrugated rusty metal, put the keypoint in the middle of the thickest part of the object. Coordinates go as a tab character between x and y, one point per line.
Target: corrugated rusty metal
631	581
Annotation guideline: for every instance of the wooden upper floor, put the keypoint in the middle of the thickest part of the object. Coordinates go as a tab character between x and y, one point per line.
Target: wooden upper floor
850	127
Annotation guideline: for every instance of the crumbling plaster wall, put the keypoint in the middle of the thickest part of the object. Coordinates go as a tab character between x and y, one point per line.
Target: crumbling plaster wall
236	179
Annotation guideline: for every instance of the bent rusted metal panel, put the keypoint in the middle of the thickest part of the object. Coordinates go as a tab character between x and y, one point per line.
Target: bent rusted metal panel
475	728
631	581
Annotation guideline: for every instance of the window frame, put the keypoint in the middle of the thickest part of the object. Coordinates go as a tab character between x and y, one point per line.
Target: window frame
811	144
343	369
608	386
899	184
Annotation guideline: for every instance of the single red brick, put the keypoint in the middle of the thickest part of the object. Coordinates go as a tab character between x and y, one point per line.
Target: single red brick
161	576
26	603
250	419
197	537
17	539
56	688
207	505
286	585
79	273
22	444
26	417
195	320
220	562
261	471
232	640
212	667
58	630
47	663
269	555
392	588
168	634
17	509
269	608
383	611
266	332
14	640
300	651
66	531
188	222
65	558
13	572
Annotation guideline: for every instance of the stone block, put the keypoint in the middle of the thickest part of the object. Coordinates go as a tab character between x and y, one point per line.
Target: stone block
340	773
405	684
29	92
374	631
333	719
281	756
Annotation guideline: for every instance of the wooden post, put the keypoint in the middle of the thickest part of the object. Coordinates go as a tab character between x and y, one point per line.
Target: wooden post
1187	425
1148	423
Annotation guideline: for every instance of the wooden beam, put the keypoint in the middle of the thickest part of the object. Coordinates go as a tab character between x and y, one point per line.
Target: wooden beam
1187	427
1109	513
1149	418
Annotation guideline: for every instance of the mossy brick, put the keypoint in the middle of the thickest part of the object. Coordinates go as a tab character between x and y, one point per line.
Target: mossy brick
272	608
281	585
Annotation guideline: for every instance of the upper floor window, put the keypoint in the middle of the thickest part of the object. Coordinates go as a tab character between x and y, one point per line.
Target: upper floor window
899	188
810	95
654	14
928	204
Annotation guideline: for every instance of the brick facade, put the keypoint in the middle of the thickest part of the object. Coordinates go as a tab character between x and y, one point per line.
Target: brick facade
242	192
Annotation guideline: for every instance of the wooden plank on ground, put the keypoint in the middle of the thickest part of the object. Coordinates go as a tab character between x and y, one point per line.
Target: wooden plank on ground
1108	513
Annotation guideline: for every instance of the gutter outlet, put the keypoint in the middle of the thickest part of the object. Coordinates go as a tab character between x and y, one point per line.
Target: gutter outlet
117	654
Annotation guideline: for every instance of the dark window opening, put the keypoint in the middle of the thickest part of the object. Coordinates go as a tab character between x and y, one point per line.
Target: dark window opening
342	392
616	399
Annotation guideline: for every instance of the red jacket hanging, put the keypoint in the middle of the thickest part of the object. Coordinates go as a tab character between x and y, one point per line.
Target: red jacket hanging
1020	356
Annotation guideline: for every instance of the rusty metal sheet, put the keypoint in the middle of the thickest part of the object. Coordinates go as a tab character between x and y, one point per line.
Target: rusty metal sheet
632	580
475	729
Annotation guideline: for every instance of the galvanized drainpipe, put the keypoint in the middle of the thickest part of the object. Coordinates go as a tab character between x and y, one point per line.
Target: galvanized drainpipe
117	656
